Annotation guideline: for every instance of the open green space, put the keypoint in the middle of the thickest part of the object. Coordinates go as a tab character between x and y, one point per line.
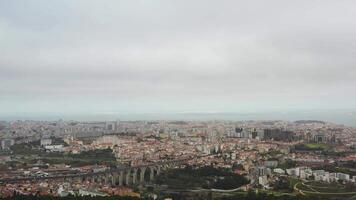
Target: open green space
287	164
326	190
313	147
205	177
329	187
31	153
99	156
284	185
316	146
75	161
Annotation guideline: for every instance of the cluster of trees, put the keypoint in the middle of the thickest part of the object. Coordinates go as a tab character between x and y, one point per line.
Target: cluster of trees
26	149
34	152
205	177
98	156
34	148
283	184
230	182
95	154
287	164
312	147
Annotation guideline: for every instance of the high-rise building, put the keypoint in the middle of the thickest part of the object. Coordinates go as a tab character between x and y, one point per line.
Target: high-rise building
261	171
320	138
111	126
254	133
7	143
278	134
46	141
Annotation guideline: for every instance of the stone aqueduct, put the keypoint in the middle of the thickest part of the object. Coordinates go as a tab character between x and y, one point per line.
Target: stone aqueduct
139	175
134	175
131	176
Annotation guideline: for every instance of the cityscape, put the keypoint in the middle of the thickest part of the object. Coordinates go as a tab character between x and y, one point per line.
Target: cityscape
177	100
135	158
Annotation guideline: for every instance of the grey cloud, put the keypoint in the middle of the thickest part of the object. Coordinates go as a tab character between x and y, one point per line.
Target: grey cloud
165	53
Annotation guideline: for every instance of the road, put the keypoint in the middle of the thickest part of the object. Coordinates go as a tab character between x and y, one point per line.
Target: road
77	175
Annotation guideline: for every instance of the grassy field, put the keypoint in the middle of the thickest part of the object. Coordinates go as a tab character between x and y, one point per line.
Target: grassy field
330	190
28	155
317	146
330	187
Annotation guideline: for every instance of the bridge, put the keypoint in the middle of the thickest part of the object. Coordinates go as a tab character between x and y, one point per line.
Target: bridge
131	175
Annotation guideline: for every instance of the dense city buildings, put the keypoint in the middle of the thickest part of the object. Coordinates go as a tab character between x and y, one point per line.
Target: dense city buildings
59	158
178	100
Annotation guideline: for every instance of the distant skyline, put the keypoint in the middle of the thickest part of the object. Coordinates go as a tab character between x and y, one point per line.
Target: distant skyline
83	57
333	116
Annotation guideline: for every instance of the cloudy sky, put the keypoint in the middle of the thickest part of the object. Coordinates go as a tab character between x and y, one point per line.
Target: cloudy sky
112	56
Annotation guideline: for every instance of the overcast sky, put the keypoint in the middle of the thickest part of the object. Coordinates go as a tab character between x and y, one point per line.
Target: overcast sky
111	56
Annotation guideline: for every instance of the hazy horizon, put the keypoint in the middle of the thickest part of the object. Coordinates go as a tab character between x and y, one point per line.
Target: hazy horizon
336	116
